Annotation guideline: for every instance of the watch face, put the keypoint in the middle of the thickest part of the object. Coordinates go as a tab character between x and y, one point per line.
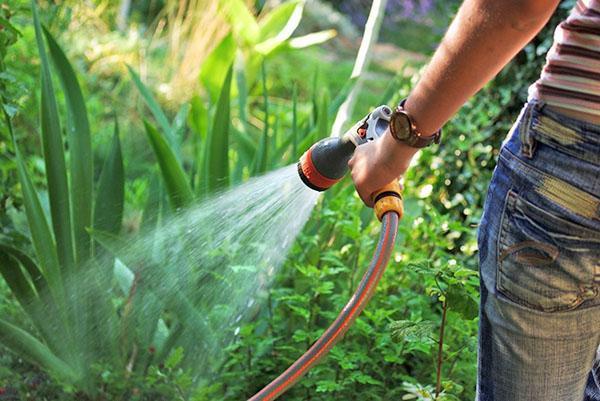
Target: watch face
401	124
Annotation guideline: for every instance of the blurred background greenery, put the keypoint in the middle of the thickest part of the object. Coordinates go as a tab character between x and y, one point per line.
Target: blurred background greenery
190	125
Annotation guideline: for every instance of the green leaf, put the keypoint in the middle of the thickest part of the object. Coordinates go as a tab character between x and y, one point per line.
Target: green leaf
214	68
392	87
363	378
262	155
242	87
23	289
280	153
80	148
155	109
198	117
246	146
41	236
8	26
314	96
108	207
152	208
24	344
341	96
30	266
174	358
178	188
243	23
295	120
217	156
408	330
312	39
54	156
123	274
300	311
111	242
283	19
15	278
179	122
279	25
323	126
198	121
460	301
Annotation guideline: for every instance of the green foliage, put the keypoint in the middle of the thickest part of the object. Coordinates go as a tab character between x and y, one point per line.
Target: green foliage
176	183
108	207
217	156
155	108
393	342
164	382
41	282
224	153
216	66
9	35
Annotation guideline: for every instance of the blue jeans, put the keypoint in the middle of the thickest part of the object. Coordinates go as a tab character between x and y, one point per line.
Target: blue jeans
539	243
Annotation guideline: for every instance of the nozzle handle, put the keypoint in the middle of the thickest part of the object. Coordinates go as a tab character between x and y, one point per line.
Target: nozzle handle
388	199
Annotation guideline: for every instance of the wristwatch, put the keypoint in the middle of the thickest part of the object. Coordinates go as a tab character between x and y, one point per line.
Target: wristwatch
403	129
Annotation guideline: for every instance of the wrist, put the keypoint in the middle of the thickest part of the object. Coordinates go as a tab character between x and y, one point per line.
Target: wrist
404	129
417	107
398	154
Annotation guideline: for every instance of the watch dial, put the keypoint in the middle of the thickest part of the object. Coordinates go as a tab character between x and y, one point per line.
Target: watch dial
401	126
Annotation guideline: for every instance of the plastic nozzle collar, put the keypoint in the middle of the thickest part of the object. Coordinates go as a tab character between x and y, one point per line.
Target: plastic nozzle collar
311	176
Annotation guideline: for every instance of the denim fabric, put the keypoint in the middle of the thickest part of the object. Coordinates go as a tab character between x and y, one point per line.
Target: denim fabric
539	243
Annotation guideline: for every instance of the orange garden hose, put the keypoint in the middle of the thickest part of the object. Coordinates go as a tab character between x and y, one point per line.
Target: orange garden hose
347	316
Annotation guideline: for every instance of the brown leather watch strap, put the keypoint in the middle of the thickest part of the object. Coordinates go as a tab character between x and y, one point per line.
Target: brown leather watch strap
416	139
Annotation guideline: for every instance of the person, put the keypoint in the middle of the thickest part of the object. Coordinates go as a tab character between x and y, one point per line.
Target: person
539	237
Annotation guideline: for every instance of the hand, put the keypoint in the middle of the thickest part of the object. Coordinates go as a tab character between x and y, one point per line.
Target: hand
378	163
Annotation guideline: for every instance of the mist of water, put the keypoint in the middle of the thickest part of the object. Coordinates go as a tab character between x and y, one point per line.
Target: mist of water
190	283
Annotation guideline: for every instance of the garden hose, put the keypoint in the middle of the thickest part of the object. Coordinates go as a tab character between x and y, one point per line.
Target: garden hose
320	167
366	288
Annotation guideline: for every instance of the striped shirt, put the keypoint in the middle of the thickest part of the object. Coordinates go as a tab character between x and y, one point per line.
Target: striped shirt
571	76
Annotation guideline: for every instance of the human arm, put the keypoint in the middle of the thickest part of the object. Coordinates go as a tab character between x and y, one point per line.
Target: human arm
482	39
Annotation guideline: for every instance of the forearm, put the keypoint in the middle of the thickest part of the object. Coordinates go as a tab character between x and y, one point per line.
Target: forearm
482	39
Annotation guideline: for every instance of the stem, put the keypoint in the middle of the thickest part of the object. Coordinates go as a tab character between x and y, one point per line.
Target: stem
249	359
361	64
438	385
270	310
123	15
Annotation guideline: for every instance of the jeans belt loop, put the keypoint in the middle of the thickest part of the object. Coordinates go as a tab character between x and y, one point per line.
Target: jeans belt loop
527	139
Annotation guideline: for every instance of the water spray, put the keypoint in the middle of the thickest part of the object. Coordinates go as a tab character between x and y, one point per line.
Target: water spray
320	167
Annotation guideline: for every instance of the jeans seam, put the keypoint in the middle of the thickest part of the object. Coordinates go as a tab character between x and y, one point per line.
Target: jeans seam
527	140
499	241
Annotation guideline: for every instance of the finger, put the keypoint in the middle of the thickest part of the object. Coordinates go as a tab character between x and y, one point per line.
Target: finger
366	198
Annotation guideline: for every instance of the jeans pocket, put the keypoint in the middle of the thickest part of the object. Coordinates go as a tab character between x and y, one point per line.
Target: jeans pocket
545	262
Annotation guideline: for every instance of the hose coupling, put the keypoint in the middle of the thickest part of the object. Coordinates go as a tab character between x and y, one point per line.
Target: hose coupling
388	199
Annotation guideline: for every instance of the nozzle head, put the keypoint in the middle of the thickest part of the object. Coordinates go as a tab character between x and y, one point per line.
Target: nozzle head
325	163
310	176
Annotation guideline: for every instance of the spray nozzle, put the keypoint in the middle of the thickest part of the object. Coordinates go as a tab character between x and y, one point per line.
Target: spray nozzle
326	162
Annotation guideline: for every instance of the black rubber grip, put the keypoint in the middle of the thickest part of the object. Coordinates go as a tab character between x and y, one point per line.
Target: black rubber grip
387	193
